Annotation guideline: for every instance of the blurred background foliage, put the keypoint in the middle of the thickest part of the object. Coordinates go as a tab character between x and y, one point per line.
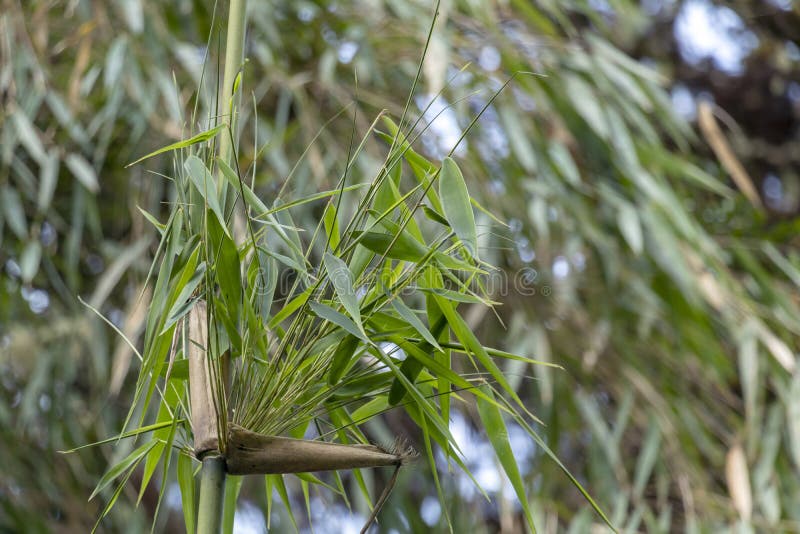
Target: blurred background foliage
632	258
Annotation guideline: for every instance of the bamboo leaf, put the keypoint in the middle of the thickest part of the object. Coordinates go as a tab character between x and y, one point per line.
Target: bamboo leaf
199	138
184	302
185	471
630	227
233	485
342	280
129	434
293	305
457	207
226	266
13	212
28	135
29	260
123	465
324	311
435	216
492	419
467	337
83	171
412	319
341	358
48	179
204	183
402	249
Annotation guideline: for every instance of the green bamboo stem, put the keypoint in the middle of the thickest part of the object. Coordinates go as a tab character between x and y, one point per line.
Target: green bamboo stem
212	495
212	475
234	56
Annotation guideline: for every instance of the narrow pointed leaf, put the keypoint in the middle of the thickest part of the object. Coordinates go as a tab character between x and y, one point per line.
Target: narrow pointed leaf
324	311
122	466
342	280
202	180
199	138
492	419
412	319
186	484
457	206
385	244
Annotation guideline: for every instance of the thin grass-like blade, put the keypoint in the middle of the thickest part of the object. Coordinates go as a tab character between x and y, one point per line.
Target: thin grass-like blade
199	138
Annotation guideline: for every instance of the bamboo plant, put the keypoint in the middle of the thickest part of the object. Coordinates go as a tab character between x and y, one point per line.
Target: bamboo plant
268	347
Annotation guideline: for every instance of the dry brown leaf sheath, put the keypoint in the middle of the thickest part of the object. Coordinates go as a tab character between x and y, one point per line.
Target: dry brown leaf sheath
250	453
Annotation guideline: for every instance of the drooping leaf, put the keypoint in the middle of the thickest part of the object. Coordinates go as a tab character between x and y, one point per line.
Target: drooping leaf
495	427
185	471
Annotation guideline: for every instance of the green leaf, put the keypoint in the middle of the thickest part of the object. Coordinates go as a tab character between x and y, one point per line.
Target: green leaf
120	467
293	305
562	160
13	212
311	479
342	280
202	180
370	409
83	171
129	434
151	218
492	419
48	179
329	314
199	138
331	222
279	484
411	368
408	249
467	337
456	205
29	260
435	216
647	458
250	198
184	302
226	266
186	484
456	296
233	484
341	358
28	135
306	200
411	318
587	105
630	227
